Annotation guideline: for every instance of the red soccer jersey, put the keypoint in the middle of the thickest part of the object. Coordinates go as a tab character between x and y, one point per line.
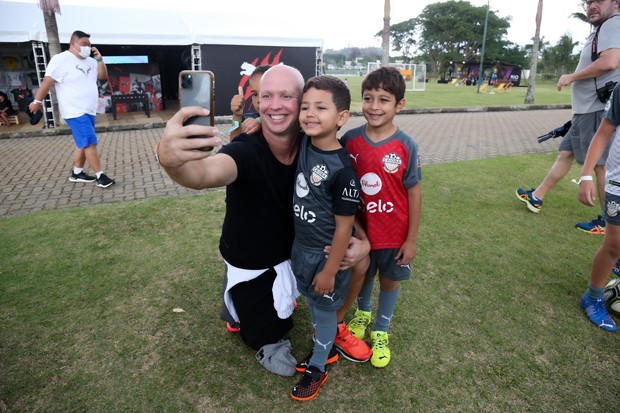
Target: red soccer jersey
386	170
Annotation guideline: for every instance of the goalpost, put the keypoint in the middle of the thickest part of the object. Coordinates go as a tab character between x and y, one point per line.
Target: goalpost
414	74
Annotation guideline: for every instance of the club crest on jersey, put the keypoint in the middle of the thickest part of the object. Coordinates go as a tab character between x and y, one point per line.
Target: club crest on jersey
612	208
319	174
391	162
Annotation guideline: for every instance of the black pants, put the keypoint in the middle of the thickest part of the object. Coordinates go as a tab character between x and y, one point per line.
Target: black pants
259	321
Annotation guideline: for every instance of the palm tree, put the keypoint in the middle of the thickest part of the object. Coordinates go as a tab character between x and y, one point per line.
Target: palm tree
580	16
531	83
385	44
50	8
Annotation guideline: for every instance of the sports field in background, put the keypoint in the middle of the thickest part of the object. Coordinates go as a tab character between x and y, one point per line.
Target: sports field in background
442	95
489	322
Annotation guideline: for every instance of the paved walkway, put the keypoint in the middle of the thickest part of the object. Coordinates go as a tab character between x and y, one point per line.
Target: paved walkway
34	170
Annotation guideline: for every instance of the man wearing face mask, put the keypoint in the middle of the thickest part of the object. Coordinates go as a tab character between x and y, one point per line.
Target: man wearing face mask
75	74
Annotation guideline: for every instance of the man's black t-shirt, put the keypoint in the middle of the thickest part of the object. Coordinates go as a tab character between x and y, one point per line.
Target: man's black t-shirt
258	227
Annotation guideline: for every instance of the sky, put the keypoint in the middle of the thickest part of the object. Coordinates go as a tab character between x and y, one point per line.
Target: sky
344	23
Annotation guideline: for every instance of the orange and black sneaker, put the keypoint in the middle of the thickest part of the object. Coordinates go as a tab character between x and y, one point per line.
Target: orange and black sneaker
530	201
596	226
303	365
351	347
233	328
309	385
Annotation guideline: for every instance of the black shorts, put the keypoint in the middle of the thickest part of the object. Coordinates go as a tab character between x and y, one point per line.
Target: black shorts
258	319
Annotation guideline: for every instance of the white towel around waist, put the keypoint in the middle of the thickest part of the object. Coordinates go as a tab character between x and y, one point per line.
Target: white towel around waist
284	287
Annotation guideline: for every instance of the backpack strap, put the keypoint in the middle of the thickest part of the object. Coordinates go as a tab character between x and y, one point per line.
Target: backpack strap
595	55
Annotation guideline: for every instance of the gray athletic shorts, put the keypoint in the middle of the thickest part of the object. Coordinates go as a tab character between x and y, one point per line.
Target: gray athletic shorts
612	209
580	134
384	262
305	266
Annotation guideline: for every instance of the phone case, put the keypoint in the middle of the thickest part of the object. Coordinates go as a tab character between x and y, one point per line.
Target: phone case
197	88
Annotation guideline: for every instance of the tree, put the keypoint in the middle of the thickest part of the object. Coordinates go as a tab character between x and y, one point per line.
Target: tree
50	8
453	31
385	44
581	16
515	54
531	84
403	38
560	58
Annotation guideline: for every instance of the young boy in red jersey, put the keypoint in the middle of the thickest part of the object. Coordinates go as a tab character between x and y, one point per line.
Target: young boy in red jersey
387	163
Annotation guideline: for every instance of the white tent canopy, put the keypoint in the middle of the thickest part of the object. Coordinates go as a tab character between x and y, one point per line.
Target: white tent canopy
23	22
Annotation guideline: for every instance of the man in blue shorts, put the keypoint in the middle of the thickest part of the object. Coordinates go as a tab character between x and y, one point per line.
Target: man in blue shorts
75	74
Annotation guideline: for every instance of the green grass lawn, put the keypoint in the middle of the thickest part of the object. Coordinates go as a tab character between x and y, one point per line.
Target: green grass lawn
489	322
445	95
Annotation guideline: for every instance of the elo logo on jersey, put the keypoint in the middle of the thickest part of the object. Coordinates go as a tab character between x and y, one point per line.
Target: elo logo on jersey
391	162
305	215
319	174
301	186
381	206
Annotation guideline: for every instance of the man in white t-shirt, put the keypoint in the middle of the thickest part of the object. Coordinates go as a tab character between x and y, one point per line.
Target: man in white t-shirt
75	73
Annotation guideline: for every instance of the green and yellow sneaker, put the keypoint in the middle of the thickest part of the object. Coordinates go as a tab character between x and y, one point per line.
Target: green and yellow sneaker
357	325
380	352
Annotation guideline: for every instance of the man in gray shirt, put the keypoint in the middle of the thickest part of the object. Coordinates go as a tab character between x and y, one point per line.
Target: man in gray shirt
597	70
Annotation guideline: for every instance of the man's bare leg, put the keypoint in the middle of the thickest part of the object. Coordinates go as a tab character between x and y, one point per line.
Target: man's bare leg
558	170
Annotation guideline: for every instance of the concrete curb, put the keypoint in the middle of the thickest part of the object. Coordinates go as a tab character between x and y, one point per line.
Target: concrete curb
64	130
483	109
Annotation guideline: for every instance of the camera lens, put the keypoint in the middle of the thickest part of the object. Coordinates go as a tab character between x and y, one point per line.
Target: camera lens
187	82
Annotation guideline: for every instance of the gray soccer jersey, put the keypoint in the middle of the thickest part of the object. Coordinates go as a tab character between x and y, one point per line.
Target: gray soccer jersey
325	185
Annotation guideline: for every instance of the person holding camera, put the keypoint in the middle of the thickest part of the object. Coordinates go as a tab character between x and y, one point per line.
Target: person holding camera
592	83
258	230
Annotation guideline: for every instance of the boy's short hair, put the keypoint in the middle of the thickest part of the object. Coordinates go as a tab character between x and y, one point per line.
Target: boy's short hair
260	70
340	92
387	78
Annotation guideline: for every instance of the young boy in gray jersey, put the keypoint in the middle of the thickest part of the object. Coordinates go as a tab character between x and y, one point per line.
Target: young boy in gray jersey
325	201
593	300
